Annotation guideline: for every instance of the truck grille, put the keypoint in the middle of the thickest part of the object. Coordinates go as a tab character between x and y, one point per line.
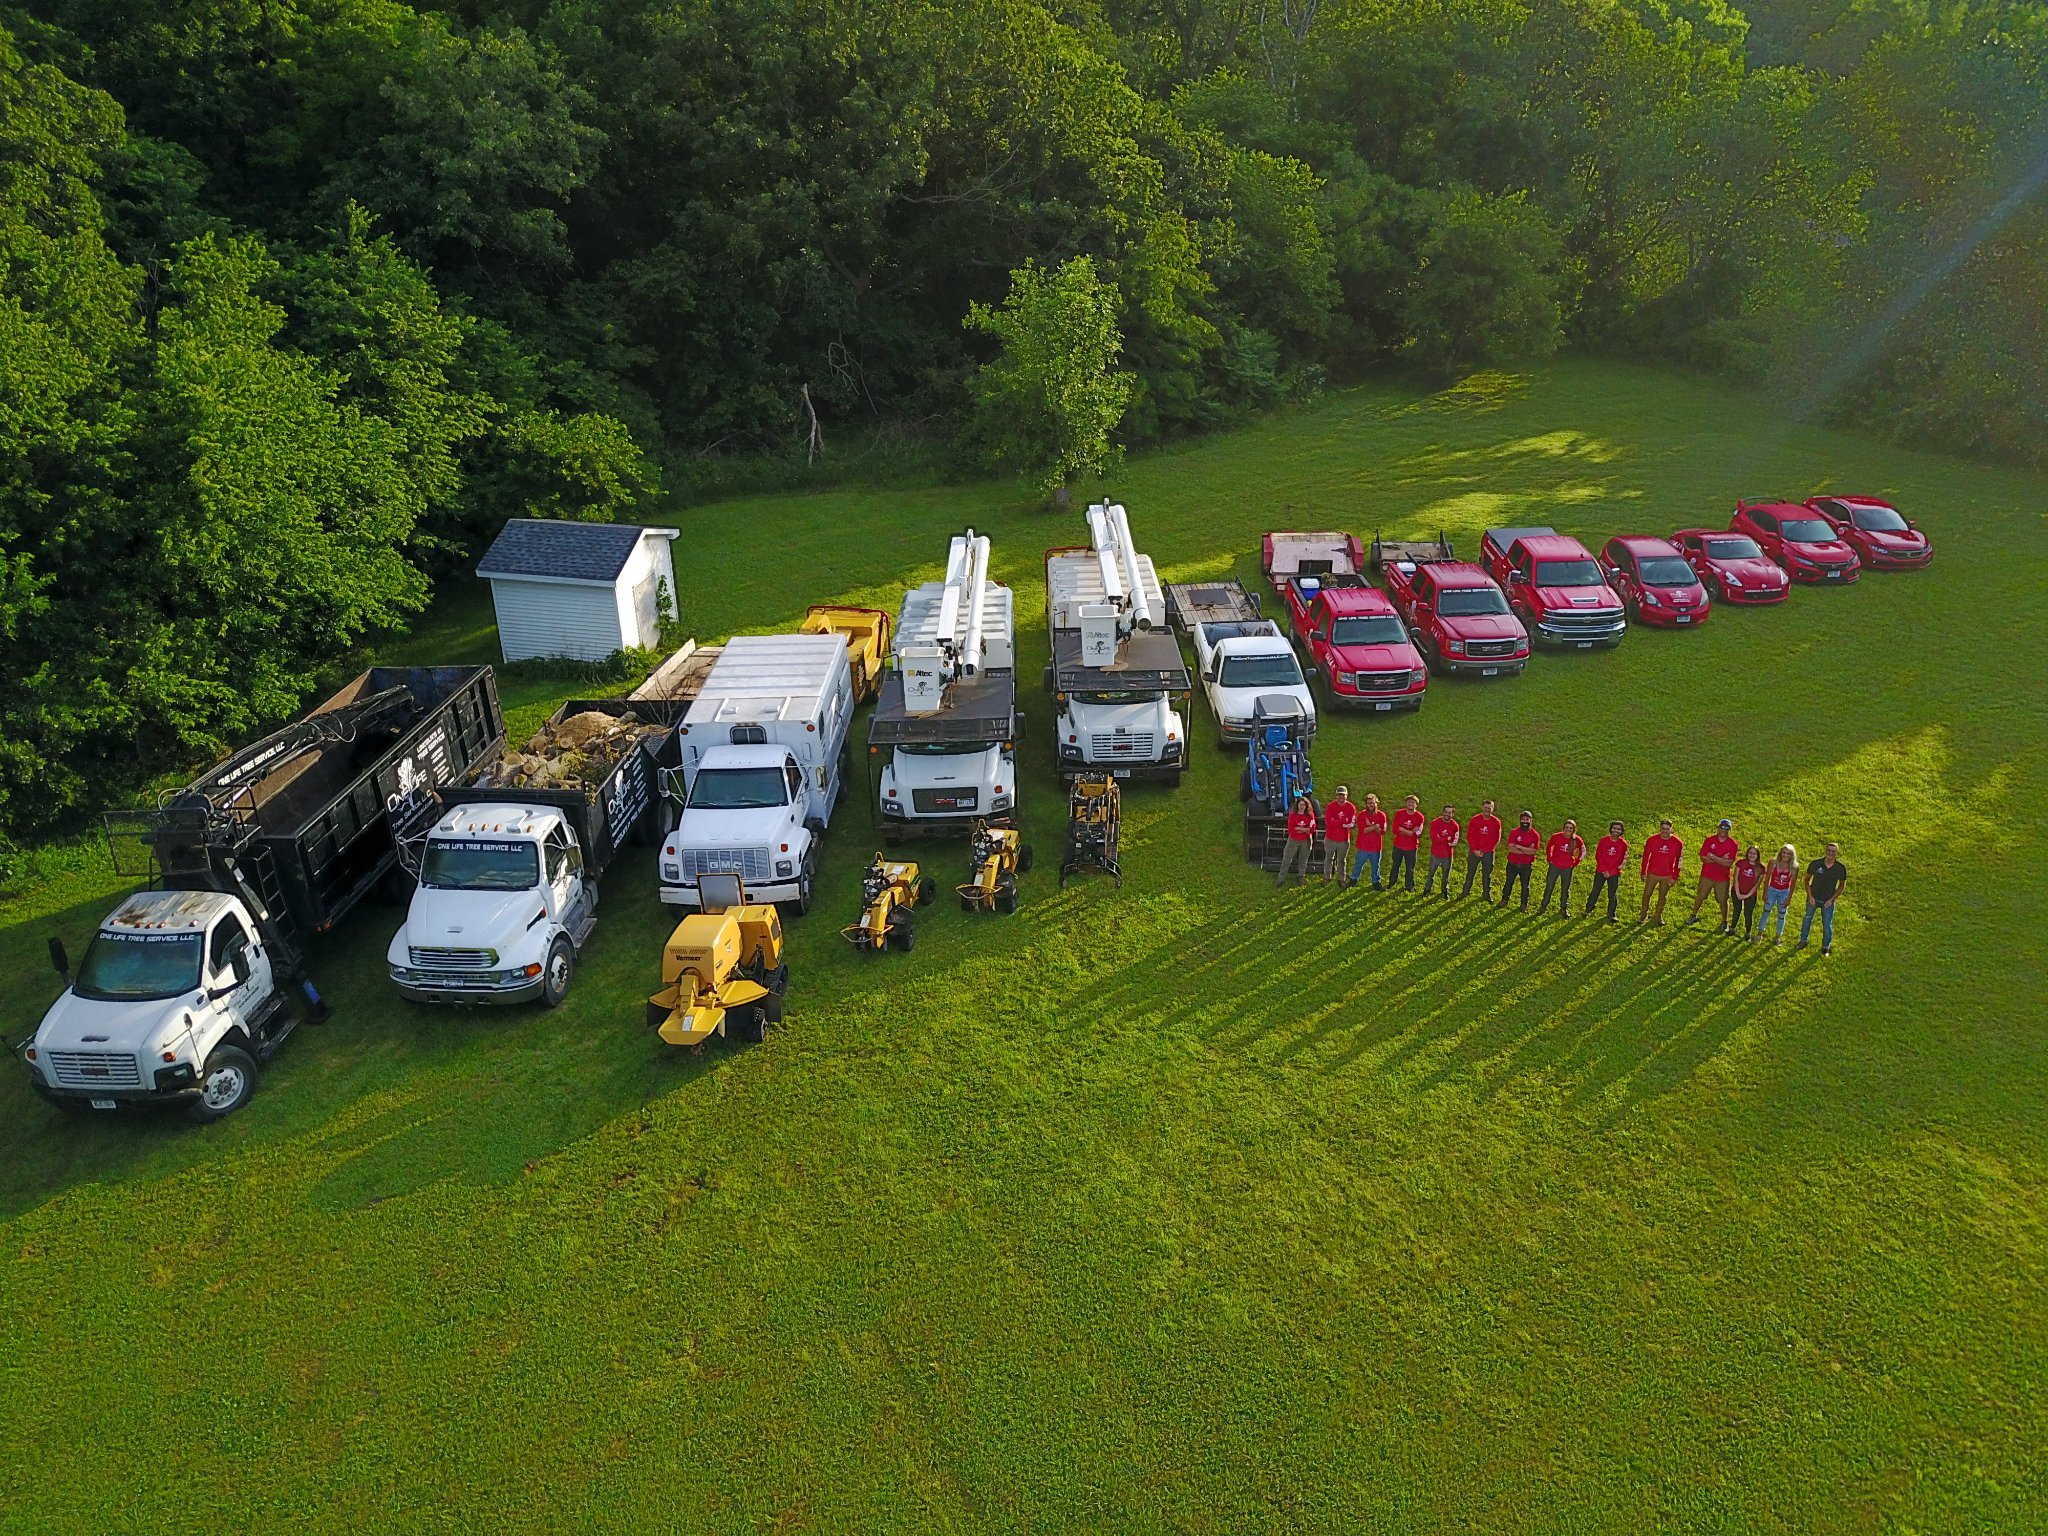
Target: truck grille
1491	648
929	802
1136	744
93	1069
451	959
1583	618
1382	682
747	863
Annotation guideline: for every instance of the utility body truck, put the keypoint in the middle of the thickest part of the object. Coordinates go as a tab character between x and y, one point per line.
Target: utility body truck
1457	614
945	729
1243	660
1116	669
1555	586
507	875
761	760
1355	643
188	987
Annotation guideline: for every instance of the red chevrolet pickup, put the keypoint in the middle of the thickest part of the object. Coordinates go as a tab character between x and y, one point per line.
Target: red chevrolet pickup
1555	586
1354	643
1457	614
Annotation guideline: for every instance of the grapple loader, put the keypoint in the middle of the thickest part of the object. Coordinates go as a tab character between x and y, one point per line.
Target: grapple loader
998	855
1094	826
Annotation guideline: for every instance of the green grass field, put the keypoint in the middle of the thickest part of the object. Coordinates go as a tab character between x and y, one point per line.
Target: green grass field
1186	1206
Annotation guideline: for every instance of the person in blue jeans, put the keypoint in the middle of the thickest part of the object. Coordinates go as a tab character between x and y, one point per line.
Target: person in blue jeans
1825	877
1370	830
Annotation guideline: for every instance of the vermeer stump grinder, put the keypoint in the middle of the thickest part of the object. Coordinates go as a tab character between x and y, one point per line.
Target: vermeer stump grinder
889	891
998	855
722	971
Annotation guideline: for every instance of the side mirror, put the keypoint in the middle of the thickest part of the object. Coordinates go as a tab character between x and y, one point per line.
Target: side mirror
575	856
1912	525
1209	676
238	963
60	959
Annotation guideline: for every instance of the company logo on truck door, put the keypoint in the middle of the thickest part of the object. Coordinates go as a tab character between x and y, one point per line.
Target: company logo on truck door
628	802
425	766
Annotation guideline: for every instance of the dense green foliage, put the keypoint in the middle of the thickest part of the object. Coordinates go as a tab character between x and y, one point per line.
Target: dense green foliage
1182	1207
507	256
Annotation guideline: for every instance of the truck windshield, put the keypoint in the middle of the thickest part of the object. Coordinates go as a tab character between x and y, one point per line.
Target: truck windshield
480	864
1116	696
1878	519
1734	549
1808	530
1259	672
1470	602
1567	573
1667	571
1368	629
943	748
131	967
738	789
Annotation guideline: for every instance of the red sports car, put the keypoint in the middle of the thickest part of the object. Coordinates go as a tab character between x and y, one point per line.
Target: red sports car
1882	539
1803	542
1654	581
1732	566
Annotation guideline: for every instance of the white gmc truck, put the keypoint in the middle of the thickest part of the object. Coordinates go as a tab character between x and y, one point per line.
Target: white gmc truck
1240	657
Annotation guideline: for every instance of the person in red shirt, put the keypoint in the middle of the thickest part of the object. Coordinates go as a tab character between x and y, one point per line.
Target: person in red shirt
1339	817
1779	878
1717	857
1371	834
1482	836
1662	856
1523	841
1408	824
1567	850
1744	883
1609	854
1443	843
1301	839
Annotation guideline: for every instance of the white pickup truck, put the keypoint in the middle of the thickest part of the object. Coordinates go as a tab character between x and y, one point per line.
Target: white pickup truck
1241	657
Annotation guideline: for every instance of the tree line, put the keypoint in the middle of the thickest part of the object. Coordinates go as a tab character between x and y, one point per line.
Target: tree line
299	299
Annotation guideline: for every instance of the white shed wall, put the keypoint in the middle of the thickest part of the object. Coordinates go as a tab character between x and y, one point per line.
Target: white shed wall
550	619
638	592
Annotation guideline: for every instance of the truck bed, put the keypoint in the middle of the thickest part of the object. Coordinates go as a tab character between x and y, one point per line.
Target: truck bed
681	677
1391	552
1189	603
1284	556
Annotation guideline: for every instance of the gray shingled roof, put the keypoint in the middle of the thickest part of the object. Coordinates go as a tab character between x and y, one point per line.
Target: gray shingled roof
566	551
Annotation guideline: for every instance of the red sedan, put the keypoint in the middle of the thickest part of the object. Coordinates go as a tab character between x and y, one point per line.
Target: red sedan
1882	539
1734	569
1804	543
1655	581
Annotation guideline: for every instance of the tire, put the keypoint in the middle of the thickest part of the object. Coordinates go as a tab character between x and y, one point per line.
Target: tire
902	936
558	972
1244	785
927	888
816	827
1048	677
1006	898
967	903
1173	779
778	980
800	904
1023	858
749	1024
226	1083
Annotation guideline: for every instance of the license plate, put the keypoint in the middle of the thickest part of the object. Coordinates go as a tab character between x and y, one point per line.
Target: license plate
1119	773
1584	645
1489	671
1834	576
103	1103
1685	618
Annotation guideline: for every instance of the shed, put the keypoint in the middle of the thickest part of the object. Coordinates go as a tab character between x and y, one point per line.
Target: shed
577	590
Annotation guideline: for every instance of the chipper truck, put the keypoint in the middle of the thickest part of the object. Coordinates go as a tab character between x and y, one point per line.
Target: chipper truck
1243	659
1116	670
508	872
945	731
190	986
722	971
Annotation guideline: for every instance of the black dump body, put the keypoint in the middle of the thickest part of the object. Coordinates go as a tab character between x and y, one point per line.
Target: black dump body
308	820
610	813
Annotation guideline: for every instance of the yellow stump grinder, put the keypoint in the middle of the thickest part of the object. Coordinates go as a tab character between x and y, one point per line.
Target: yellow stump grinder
722	971
1094	821
998	856
889	891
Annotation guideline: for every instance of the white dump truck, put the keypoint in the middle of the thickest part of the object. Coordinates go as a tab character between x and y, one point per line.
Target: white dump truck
945	729
1243	659
761	761
1117	672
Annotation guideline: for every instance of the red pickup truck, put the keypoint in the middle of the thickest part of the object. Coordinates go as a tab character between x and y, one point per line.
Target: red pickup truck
1351	639
1456	613
1555	586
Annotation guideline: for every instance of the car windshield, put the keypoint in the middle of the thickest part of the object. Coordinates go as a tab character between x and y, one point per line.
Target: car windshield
1370	629
1733	549
1808	530
1470	603
1116	696
1567	573
130	967
1878	519
1259	672
738	789
1667	571
480	864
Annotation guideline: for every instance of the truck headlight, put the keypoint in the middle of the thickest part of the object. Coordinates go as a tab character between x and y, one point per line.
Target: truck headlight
894	808
784	868
1419	675
671	869
1070	748
1000	802
1347	679
1455	647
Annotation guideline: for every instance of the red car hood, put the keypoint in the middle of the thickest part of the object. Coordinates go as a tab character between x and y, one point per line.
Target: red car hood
1911	542
1374	658
1832	549
1567	598
1753	573
1691	595
1486	626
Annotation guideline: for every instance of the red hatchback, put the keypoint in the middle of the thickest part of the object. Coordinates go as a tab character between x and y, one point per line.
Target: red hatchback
1733	567
1804	543
1654	581
1882	539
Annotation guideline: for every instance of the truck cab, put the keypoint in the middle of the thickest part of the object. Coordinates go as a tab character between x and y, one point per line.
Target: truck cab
1457	614
505	900
1555	586
175	1001
1355	643
751	811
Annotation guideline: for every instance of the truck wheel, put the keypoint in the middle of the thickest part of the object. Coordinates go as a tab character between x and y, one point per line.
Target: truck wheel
1173	779
1023	858
802	904
559	971
771	1008
225	1083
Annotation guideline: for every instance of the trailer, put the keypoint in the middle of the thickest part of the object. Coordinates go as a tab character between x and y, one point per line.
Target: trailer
1287	556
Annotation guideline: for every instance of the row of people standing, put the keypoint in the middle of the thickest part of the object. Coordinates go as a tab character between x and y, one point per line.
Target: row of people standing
1733	878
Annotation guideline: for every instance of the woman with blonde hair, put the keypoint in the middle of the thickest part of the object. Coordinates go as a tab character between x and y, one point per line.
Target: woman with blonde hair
1779	877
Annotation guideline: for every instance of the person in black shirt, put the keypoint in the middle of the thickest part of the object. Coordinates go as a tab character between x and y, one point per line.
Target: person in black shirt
1825	877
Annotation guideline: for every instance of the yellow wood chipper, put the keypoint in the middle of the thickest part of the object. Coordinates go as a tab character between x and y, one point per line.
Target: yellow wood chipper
998	856
867	642
889	892
722	971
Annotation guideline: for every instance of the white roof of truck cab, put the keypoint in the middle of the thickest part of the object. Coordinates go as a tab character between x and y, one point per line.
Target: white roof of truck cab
496	819
172	911
1326	549
1073	579
759	678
